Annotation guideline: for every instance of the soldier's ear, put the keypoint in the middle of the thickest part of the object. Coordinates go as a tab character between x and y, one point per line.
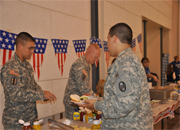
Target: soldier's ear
20	45
115	38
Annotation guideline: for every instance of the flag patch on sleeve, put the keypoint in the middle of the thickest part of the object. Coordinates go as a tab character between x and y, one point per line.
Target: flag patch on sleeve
85	73
13	72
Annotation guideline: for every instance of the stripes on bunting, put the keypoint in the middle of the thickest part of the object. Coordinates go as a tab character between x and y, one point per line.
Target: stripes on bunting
79	46
106	51
60	49
133	45
7	42
38	55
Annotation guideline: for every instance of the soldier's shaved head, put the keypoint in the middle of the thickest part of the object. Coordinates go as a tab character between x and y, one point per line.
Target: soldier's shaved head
92	53
92	47
23	37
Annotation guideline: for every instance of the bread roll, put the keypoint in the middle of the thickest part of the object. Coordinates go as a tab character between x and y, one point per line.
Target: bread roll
75	97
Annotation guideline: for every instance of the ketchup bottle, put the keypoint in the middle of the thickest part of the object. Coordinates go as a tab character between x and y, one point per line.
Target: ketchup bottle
82	115
27	126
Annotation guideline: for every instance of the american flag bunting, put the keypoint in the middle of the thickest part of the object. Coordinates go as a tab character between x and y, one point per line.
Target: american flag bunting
7	42
79	46
38	57
106	51
60	49
133	44
139	38
96	40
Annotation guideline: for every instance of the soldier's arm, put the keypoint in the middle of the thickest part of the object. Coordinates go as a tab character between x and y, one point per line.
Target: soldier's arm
123	101
17	91
82	83
37	87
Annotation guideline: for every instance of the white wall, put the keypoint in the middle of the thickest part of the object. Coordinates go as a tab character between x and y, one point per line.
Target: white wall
153	51
50	20
132	13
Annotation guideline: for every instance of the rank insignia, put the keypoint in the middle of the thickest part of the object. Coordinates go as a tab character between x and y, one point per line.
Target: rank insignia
122	86
13	80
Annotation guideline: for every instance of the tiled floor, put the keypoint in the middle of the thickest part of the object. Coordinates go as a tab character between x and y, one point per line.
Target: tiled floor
170	124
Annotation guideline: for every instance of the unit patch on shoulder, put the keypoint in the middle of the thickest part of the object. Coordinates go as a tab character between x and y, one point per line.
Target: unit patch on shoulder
13	80
13	72
122	86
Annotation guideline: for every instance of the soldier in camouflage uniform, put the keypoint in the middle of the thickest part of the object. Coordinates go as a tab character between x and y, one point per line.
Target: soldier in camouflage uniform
79	78
126	104
20	89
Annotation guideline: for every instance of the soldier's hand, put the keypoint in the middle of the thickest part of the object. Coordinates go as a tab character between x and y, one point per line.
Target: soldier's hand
88	104
49	96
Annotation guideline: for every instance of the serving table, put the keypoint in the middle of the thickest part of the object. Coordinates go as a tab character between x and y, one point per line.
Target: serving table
165	109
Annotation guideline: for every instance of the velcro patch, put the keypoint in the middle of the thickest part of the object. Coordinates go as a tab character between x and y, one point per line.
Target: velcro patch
13	72
85	73
13	80
121	84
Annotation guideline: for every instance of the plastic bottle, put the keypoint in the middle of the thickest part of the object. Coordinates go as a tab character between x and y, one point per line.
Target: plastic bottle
89	117
96	125
76	115
82	115
94	114
36	126
98	115
26	126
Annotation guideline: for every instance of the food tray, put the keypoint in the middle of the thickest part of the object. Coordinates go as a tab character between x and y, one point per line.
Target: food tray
56	125
66	124
155	103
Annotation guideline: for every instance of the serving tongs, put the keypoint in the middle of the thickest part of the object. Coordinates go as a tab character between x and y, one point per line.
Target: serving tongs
59	125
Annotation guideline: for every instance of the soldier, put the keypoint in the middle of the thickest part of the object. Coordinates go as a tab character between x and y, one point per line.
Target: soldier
79	78
20	89
126	104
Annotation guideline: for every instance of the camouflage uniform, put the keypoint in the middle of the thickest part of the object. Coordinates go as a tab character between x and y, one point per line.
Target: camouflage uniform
78	83
126	104
21	93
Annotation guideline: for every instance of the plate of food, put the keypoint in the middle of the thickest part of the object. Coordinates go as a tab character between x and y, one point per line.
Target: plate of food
80	103
77	99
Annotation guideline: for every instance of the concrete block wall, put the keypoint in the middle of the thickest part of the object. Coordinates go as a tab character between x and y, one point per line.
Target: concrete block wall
71	20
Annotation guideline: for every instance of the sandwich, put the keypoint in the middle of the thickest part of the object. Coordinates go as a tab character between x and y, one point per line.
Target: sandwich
76	98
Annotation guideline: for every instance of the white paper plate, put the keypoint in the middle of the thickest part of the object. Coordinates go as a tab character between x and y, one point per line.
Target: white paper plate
78	102
93	98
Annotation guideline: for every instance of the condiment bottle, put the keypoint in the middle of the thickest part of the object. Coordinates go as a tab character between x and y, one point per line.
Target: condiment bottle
82	115
36	126
96	125
89	116
98	115
26	126
76	115
94	114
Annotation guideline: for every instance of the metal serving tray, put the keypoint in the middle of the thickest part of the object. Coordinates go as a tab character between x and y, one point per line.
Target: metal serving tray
56	125
66	124
160	93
